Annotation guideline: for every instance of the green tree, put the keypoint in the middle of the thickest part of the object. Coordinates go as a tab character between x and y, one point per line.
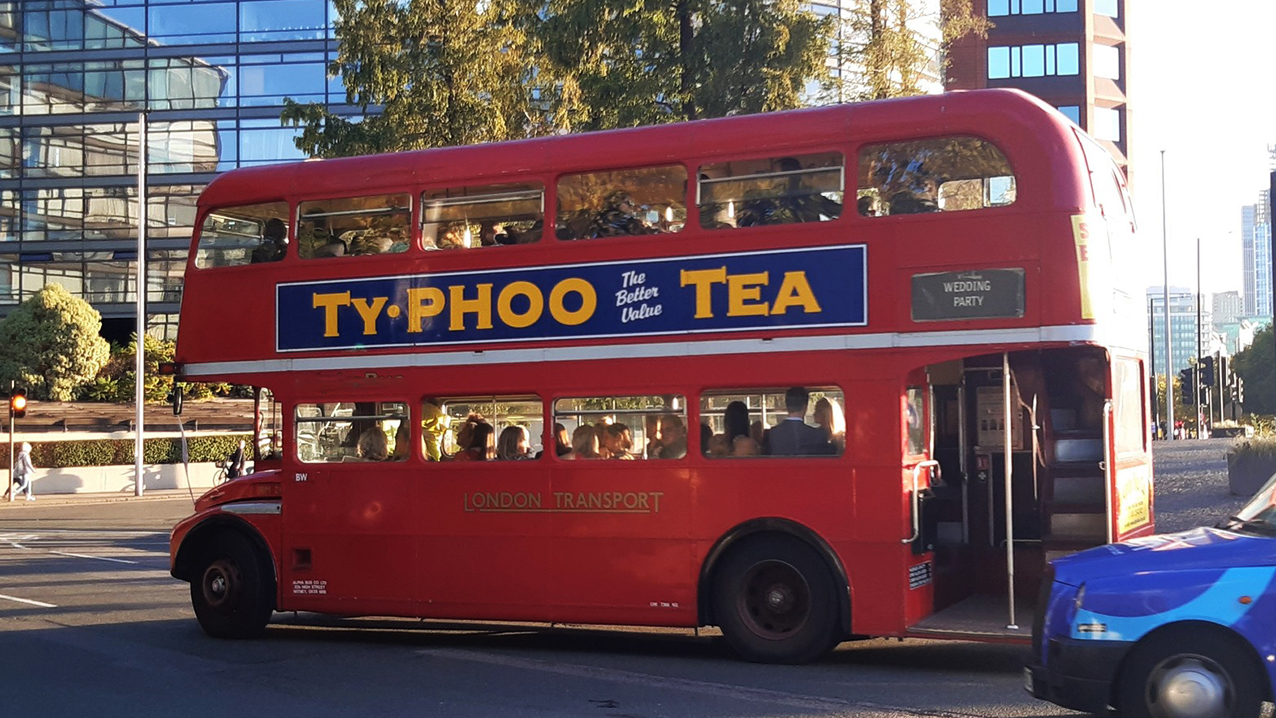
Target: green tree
623	63
427	73
886	46
51	344
1256	366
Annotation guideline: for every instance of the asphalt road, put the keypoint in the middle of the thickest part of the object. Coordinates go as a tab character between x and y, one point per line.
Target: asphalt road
91	624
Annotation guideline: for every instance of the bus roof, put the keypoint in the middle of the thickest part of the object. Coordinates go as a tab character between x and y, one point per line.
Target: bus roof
964	112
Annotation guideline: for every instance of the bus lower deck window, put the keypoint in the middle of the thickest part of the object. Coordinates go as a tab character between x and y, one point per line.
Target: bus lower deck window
624	427
484	428
790	421
344	432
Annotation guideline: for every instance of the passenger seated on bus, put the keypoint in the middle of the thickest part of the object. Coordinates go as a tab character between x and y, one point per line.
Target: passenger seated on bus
867	206
828	416
482	444
402	443
673	437
716	445
584	443
906	202
274	242
513	445
434	424
373	445
795	203
314	240
618	441
618	217
744	446
465	433
651	430
600	433
736	424
793	436
562	442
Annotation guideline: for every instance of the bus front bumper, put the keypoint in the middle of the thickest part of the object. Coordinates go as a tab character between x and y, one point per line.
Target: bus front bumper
1077	675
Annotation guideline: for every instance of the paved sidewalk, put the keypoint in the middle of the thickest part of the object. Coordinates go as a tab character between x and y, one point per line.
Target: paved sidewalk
20	502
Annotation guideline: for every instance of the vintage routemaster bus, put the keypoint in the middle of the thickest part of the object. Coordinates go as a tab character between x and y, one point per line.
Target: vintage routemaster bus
805	376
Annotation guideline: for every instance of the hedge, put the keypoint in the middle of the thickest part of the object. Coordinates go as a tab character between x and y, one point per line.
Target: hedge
119	452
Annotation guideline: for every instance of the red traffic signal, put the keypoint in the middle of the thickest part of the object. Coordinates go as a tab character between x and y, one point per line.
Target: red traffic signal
17	403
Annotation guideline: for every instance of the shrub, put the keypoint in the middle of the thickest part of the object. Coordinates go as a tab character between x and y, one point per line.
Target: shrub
119	452
1264	447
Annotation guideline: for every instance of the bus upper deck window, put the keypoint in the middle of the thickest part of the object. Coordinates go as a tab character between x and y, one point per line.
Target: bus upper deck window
249	234
774	190
353	226
487	216
944	174
618	203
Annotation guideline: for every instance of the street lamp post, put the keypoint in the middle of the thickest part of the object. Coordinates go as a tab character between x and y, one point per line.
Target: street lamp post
1169	350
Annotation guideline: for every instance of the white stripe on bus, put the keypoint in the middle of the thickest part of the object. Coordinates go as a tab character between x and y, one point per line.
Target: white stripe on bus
898	340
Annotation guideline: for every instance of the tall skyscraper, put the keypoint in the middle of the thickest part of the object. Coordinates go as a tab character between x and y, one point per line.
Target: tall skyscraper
74	74
1256	256
1073	54
1228	307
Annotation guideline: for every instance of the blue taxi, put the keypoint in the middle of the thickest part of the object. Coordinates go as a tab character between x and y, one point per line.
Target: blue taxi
1174	626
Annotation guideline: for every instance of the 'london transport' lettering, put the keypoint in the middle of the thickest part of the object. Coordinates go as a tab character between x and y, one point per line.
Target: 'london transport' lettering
607	502
786	289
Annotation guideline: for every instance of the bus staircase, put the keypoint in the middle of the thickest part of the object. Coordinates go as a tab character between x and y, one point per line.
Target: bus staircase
1073	517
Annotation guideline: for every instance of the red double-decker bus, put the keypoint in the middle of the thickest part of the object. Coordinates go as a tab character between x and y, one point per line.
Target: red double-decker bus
805	376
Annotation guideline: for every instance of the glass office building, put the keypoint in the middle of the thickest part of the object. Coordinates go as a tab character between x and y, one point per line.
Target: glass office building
74	76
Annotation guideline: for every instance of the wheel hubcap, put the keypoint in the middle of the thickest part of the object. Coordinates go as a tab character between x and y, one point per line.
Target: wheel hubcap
221	584
776	600
1189	686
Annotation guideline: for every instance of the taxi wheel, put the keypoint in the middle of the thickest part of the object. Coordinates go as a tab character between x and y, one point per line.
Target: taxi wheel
775	601
1190	673
231	594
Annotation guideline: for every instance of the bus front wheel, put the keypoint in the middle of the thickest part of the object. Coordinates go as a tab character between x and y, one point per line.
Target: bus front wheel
775	601
1190	673
231	593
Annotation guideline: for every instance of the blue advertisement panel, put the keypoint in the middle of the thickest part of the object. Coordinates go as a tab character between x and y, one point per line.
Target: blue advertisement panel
785	289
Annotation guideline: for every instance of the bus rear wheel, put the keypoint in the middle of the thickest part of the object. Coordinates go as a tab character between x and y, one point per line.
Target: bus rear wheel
231	593
1190	673
775	601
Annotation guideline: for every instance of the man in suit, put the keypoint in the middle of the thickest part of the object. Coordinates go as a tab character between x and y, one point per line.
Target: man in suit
793	436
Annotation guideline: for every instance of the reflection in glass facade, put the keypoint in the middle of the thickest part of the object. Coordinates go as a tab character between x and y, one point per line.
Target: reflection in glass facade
74	74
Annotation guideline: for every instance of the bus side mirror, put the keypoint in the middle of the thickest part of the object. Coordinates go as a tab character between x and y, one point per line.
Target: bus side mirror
177	396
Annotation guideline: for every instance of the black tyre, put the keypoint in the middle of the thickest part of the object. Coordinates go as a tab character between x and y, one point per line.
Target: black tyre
776	601
232	593
1191	673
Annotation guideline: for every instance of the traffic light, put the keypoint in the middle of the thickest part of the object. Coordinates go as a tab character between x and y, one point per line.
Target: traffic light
17	403
1206	374
1240	390
1186	381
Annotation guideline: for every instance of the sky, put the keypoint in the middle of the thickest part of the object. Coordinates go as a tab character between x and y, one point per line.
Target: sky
1201	89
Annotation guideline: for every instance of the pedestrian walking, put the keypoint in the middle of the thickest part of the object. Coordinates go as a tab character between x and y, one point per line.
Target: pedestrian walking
23	472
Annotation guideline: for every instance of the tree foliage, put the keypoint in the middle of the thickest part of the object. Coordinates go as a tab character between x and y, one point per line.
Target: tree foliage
427	73
885	46
433	73
639	62
1256	366
51	344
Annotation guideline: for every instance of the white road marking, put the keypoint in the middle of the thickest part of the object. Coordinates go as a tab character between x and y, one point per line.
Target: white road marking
41	604
717	690
99	558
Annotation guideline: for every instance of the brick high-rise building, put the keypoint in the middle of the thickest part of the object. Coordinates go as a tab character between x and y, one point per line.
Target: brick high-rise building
1071	53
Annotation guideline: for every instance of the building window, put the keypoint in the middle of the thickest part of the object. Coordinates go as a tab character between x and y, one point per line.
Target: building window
1072	112
1107	124
1033	60
998	8
1107	7
1107	62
